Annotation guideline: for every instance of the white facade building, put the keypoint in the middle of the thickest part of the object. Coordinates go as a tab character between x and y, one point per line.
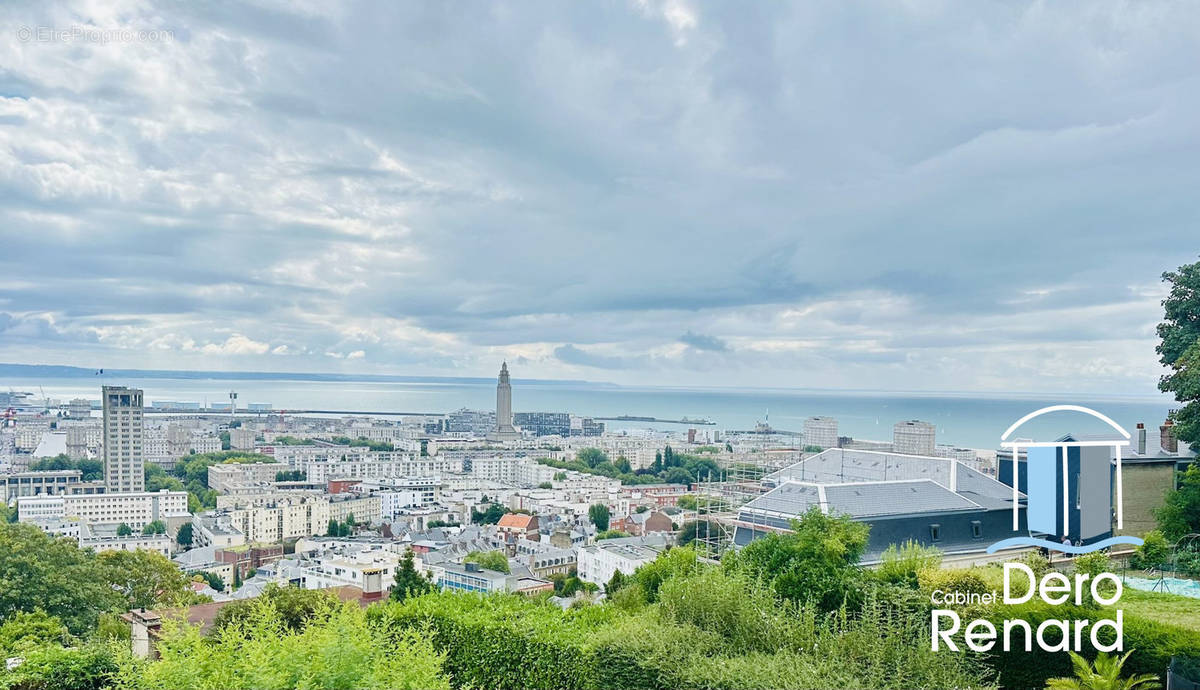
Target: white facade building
821	432
124	456
914	438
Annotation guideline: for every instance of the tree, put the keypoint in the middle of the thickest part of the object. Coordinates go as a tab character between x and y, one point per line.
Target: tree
545	485
1179	348
678	475
53	575
492	560
332	529
31	629
124	530
490	516
155	527
214	580
1180	513
816	562
184	536
1104	675
694	530
611	534
294	607
408	582
146	579
598	514
591	456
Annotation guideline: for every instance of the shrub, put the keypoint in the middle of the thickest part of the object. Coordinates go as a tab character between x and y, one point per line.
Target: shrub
91	667
294	607
900	565
337	649
1152	553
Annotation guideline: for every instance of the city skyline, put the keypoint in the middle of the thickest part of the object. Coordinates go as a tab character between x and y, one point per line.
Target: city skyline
653	193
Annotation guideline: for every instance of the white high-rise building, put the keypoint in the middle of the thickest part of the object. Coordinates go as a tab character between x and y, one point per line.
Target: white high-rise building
504	414
821	432
914	438
124	458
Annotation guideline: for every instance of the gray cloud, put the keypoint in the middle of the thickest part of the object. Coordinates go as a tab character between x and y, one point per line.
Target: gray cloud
896	197
703	342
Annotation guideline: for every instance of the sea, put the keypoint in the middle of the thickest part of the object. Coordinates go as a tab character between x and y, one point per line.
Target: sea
970	420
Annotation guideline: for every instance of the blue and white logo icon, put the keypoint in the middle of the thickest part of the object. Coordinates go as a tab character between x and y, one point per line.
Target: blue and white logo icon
1070	484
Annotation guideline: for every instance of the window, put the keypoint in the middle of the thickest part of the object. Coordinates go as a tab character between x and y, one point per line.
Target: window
976	529
935	532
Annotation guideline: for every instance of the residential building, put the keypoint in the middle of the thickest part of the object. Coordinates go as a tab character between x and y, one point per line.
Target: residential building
821	432
124	458
599	561
914	437
134	509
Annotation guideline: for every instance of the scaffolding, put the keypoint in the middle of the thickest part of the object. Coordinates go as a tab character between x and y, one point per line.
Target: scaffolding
720	498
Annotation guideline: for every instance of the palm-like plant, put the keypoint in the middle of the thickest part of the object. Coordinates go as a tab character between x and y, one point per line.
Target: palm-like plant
1104	674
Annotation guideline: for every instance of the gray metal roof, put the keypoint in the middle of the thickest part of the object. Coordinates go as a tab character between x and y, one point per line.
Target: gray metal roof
861	499
894	498
791	498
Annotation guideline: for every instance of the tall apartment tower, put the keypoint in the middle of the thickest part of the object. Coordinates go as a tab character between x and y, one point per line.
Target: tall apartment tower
821	432
504	413
914	438
124	458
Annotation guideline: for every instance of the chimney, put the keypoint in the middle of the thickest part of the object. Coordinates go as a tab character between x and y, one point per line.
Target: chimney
372	584
1166	437
1141	438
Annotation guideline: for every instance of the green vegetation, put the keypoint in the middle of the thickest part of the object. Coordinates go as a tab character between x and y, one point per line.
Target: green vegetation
1180	513
92	469
407	581
75	586
599	515
490	516
336	648
293	441
492	560
212	579
191	475
155	527
184	536
340	529
816	563
611	534
1179	350
362	442
290	476
1104	675
902	565
124	530
669	467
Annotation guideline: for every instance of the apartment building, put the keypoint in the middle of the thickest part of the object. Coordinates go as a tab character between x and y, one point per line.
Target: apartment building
135	509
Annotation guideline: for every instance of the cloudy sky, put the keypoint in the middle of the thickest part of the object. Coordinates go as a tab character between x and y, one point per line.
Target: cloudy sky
906	195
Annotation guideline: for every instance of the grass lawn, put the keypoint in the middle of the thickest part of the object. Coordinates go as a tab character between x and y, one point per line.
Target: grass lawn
1172	609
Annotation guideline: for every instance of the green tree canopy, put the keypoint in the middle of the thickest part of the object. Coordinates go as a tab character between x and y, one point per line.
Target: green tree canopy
599	515
184	536
407	581
146	579
492	560
54	575
1179	348
1180	513
816	562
